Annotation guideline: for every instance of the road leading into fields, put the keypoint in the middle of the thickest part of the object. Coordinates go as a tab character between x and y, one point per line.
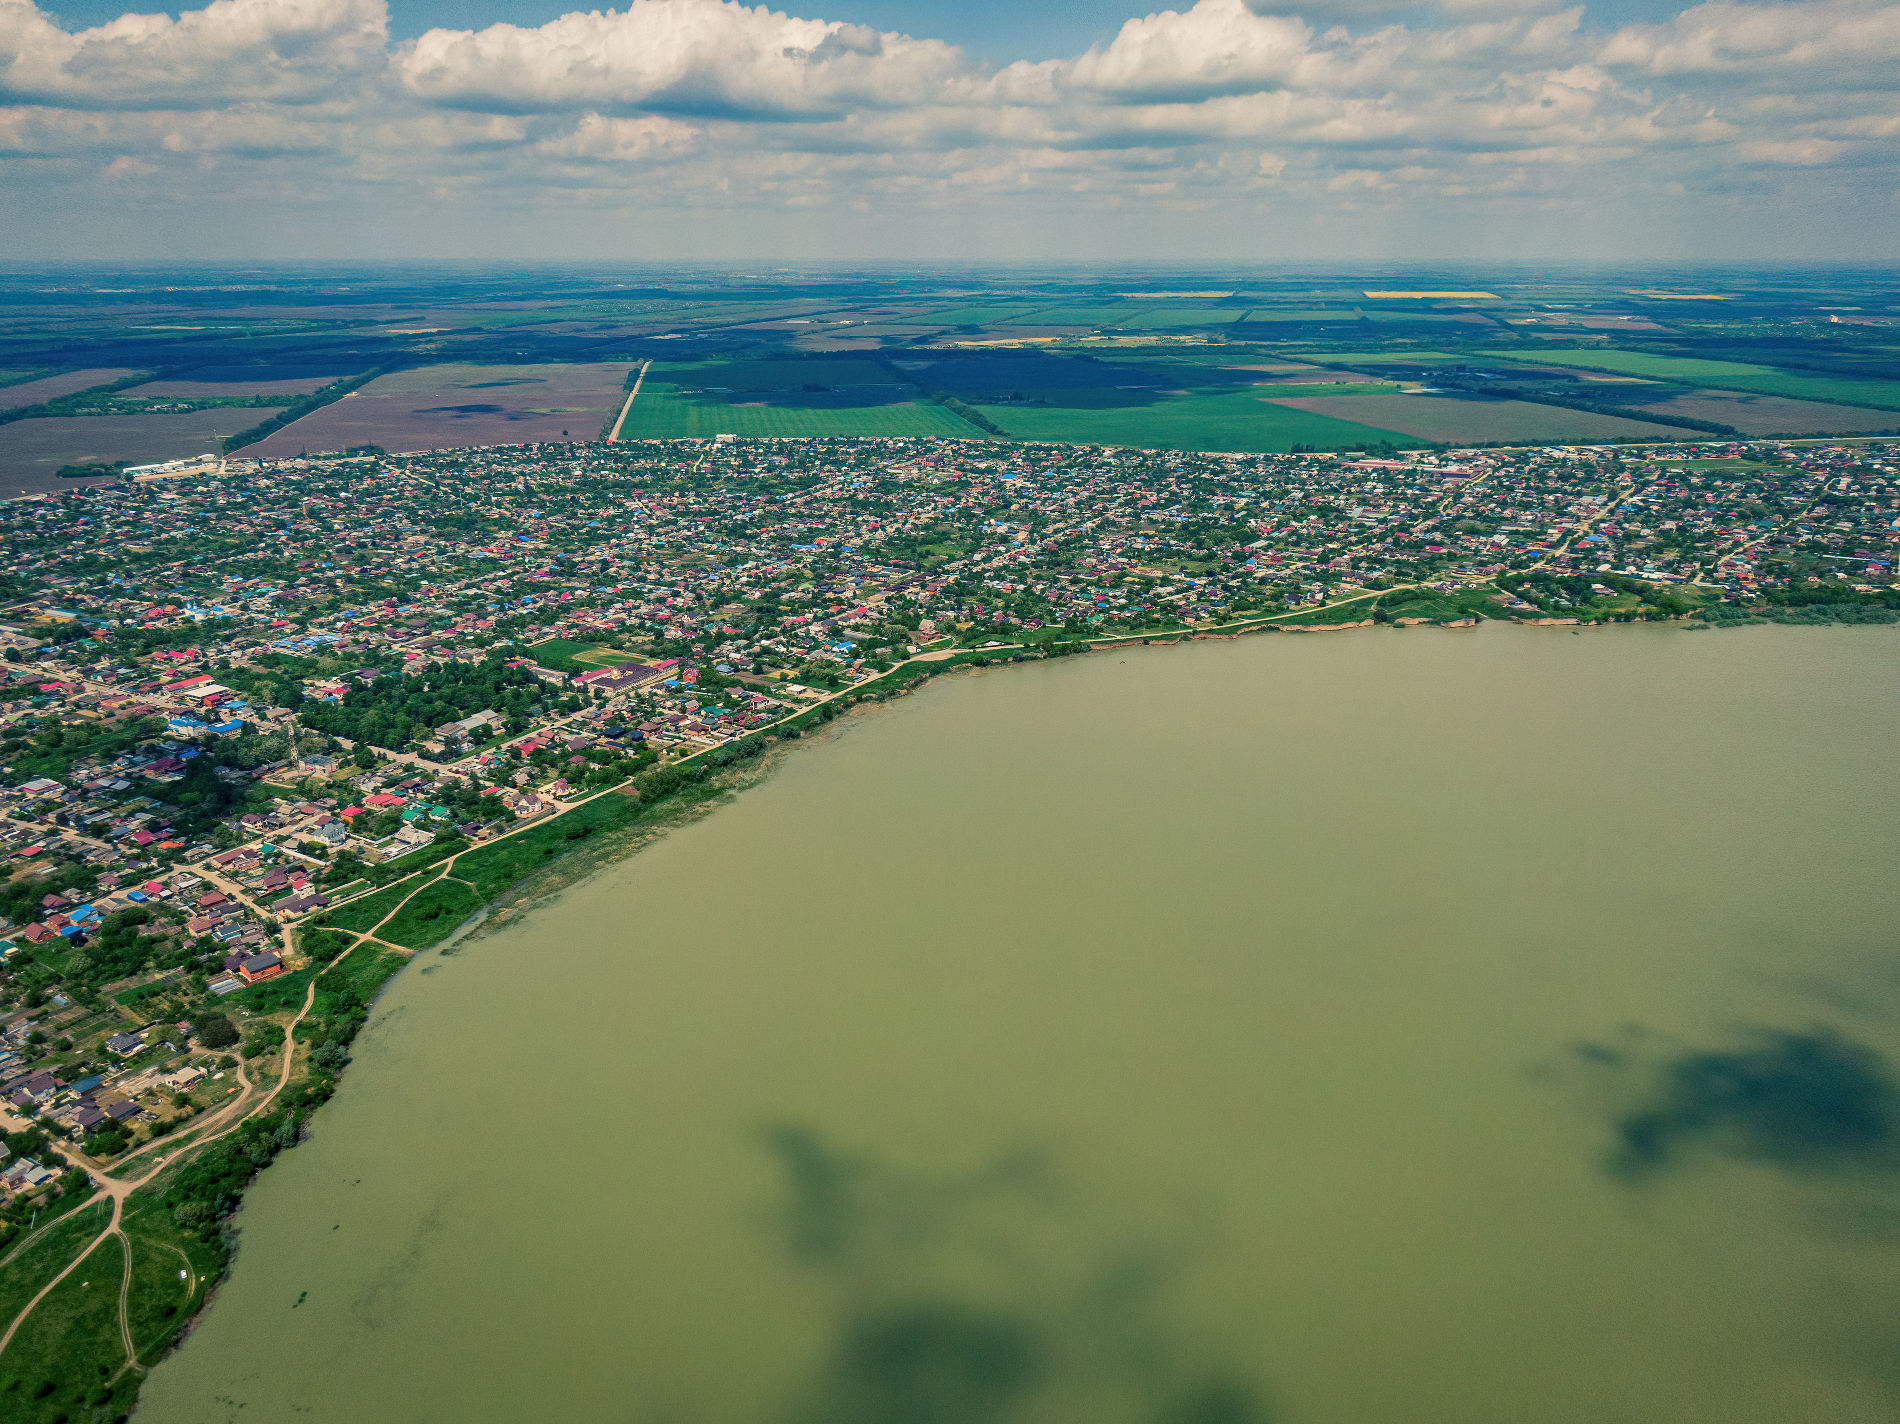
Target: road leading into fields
614	435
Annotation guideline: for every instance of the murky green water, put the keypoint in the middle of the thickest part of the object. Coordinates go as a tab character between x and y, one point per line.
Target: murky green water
1375	1028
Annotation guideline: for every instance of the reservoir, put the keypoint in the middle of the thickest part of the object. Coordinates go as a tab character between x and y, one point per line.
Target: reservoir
1423	1027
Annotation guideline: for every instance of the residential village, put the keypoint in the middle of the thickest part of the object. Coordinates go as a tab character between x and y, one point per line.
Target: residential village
235	698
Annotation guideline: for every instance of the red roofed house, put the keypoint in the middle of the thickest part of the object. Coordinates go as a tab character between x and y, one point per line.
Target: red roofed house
259	967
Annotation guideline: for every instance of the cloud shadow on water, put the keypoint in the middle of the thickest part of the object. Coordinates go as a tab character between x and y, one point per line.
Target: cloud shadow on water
987	1296
1808	1101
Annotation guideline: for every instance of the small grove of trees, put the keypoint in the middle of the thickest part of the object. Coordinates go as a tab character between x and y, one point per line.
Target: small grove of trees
395	710
216	1031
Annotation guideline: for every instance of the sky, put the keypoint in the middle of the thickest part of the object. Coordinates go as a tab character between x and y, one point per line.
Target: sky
1089	130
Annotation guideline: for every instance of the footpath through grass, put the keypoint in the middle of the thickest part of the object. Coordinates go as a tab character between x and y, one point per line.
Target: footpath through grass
23	1277
432	915
68	1352
172	1272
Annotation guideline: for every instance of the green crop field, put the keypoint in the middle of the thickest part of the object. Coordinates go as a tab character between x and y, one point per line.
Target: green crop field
1232	420
664	412
1185	316
1728	375
763	375
981	316
1389	358
1112	314
1459	421
1303	314
1327	388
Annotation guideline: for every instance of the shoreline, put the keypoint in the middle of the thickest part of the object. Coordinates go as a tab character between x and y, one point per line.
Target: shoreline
640	821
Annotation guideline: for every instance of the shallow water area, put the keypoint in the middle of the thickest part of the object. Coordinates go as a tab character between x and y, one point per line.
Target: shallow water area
1371	1028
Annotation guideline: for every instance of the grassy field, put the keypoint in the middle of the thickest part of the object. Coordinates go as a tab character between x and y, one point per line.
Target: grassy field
32	1268
566	655
160	1302
432	916
365	969
1441	607
1232	420
275	996
72	1338
360	915
1728	375
663	412
1352	611
493	868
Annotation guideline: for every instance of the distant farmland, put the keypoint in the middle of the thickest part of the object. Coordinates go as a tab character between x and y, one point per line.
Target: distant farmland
442	407
32	450
1227	420
47	387
241	381
790	396
1458	421
1764	415
1729	375
664	412
1185	316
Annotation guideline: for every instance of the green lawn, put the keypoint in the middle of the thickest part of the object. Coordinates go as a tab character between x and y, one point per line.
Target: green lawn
1231	420
663	412
1724	375
566	655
